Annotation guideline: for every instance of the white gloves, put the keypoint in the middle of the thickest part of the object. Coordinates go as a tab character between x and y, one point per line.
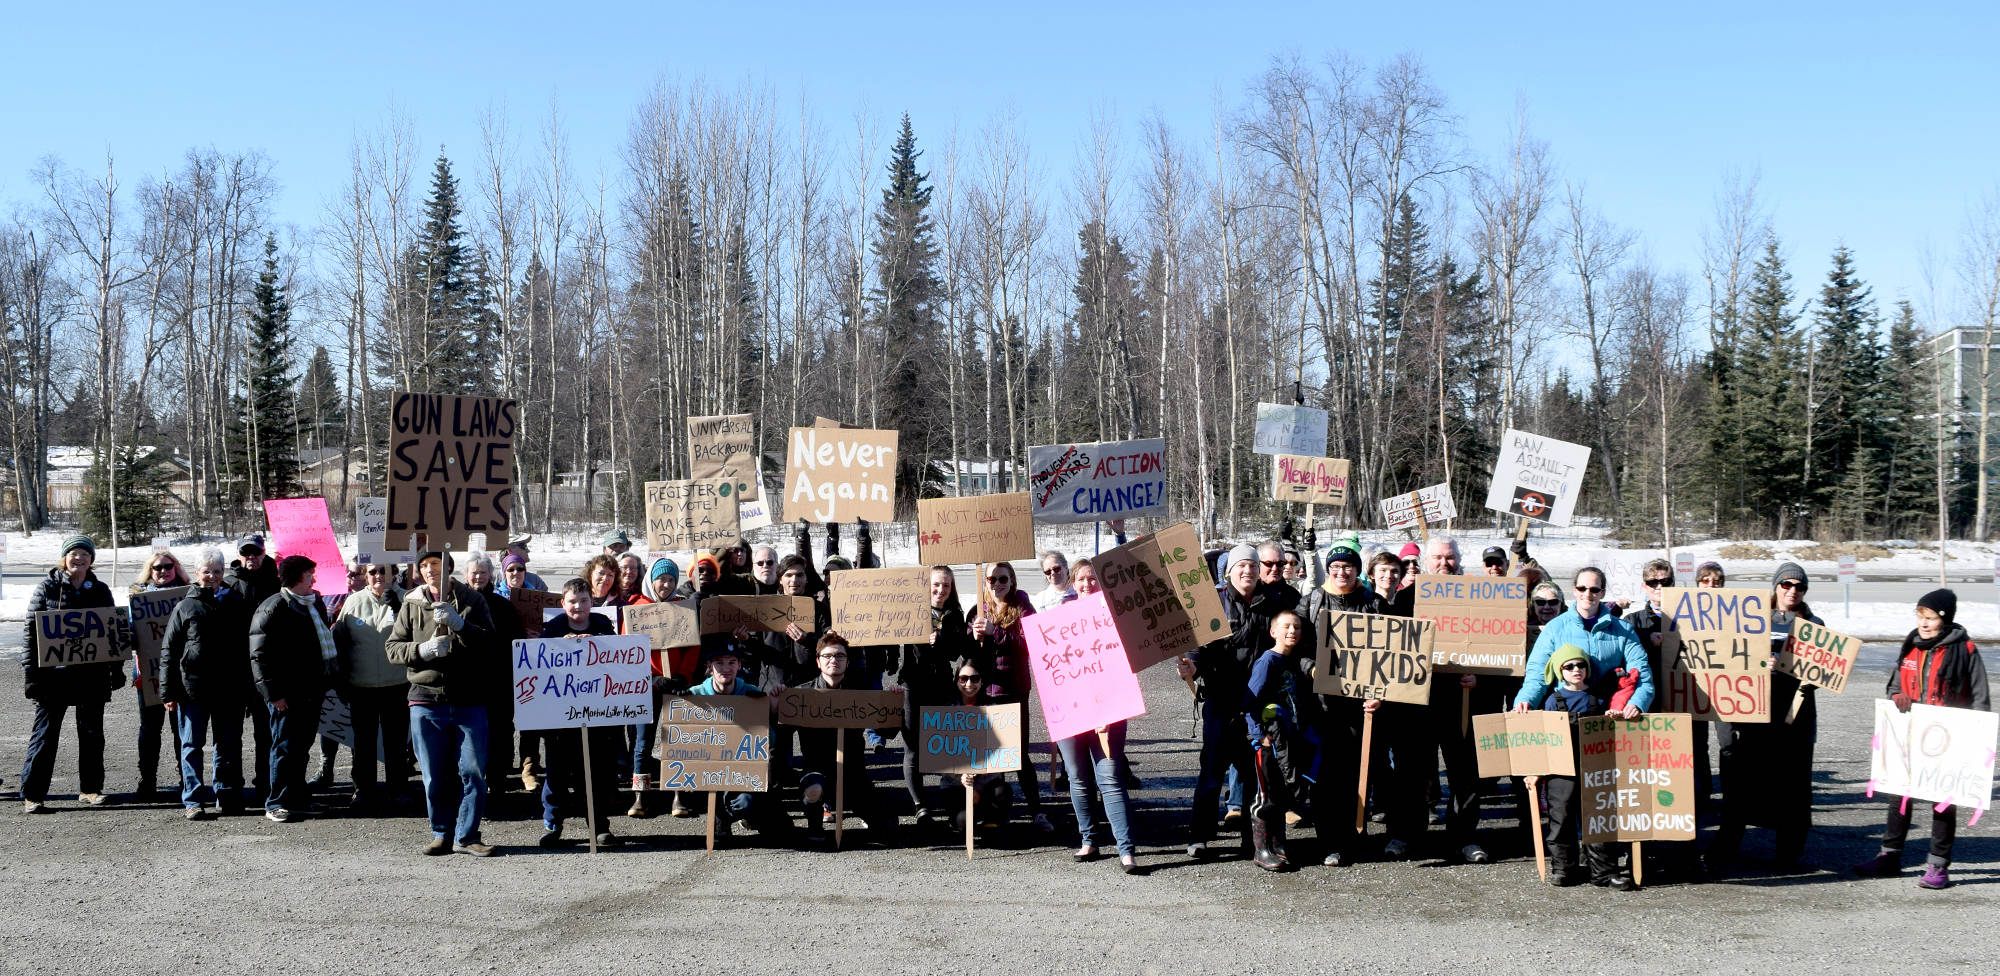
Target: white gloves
447	615
434	648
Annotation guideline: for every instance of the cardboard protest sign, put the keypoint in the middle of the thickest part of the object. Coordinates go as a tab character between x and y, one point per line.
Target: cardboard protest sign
824	423
1180	557
1312	480
301	527
149	612
1079	666
1482	622
1366	655
1432	504
1637	778
671	624
611	614
975	529
835	475
1818	656
1284	429
1933	753
1162	598
1537	477
715	743
723	613
874	607
451	468
371	531
1715	648
969	738
1524	744
691	514
724	449
86	635
530	605
336	722
1098	481
839	708
568	683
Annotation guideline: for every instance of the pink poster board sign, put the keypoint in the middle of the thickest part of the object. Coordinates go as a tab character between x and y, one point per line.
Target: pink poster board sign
300	527
1081	672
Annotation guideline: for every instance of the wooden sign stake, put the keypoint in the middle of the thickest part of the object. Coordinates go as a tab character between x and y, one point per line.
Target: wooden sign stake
1464	710
1361	785
1535	815
589	794
711	822
839	785
969	791
1423	524
1638	866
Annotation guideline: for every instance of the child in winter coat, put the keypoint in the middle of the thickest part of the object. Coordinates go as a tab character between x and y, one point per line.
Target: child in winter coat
1273	705
1570	681
1939	665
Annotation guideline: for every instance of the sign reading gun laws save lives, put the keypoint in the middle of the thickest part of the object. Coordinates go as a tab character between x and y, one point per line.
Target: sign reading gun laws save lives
1637	778
715	743
451	468
1366	655
1482	622
1715	646
1537	477
568	683
1162	597
1099	481
835	474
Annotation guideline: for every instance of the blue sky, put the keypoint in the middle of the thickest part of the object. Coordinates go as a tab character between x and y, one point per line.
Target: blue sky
1873	125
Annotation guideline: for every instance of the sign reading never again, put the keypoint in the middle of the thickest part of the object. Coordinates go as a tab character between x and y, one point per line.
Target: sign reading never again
835	474
451	468
1312	480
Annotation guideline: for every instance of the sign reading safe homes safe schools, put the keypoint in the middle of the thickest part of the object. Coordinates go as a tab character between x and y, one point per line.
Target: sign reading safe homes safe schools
1099	481
1637	778
1482	622
87	635
1285	429
1079	665
1537	477
1716	649
568	683
969	739
1366	655
841	475
715	744
451	468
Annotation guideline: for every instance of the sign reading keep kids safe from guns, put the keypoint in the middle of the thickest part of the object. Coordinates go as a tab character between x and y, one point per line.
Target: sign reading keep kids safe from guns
1098	482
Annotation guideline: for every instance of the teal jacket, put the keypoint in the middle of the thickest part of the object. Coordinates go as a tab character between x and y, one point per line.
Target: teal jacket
1611	644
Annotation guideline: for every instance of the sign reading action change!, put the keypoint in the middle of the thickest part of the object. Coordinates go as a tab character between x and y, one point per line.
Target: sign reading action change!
1099	481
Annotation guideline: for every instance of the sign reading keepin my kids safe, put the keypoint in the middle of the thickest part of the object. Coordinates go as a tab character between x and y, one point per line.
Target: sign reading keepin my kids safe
835	474
1163	600
451	468
301	527
1283	429
715	744
568	683
1818	656
1537	477
975	529
1637	778
1942	755
1312	480
1532	743
969	738
150	610
1715	647
1432	504
878	607
1079	666
1098	481
85	635
724	448
691	514
1366	655
1482	622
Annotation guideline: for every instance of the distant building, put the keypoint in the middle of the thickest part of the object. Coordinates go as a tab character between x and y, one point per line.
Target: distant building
1966	358
972	477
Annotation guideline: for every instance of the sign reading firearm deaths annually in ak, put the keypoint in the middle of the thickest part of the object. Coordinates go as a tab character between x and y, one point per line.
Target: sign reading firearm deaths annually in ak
451	468
692	514
1482	622
839	708
1428	505
725	449
301	527
1537	477
1285	429
1313	480
1366	655
150	609
1098	482
715	744
969	739
1716	650
1162	597
568	683
876	607
723	613
974	529
1532	743
1818	656
1637	778
1081	674
87	635
837	474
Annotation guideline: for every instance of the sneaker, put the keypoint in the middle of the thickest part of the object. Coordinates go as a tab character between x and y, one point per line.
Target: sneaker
1199	851
1935	876
279	815
33	806
925	818
1233	818
1395	850
438	847
1474	854
1334	860
1883	865
1378	817
1616	882
1042	824
194	813
93	799
552	838
607	839
474	848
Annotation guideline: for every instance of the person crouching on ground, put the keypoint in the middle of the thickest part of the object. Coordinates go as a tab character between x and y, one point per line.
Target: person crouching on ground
759	810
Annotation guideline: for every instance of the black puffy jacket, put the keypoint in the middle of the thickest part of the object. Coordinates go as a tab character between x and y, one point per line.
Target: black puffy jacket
285	654
77	683
207	652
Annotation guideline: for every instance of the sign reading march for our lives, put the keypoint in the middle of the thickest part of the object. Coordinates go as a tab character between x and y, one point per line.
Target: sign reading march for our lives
1637	778
451	468
568	683
1537	477
969	739
1081	673
835	474
1943	755
301	527
1099	481
1285	429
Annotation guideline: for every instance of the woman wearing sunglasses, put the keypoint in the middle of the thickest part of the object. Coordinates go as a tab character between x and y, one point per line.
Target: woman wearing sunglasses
1003	656
1767	770
163	572
377	692
1607	640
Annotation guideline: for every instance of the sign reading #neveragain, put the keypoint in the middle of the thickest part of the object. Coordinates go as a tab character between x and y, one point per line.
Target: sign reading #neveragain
1099	481
839	708
715	744
1537	477
1283	429
724	449
1482	622
1432	504
568	683
1715	647
1312	480
1637	778
975	529
1079	665
691	514
1367	655
1524	744
1818	656
451	468
877	607
301	527
86	635
969	739
840	475
149	610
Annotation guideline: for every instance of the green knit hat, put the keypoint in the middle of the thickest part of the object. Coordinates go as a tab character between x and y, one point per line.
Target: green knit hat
1564	654
79	542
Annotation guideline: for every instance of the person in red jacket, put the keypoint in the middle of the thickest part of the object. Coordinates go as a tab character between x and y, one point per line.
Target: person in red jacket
1939	665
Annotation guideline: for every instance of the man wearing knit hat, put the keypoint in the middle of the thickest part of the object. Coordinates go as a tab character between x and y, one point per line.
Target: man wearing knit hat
1223	668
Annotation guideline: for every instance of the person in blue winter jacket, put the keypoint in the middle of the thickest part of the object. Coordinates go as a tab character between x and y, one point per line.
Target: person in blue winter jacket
1608	641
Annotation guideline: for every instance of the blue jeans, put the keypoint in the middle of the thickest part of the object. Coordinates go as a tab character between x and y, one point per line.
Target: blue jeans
192	723
1223	751
1109	767
43	741
152	719
441	733
292	733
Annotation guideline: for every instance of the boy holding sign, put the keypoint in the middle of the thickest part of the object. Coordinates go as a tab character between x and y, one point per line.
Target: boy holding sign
1570	673
563	788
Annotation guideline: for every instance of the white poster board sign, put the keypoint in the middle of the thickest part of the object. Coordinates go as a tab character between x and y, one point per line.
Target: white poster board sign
1285	429
371	530
1097	482
1537	477
568	683
1425	505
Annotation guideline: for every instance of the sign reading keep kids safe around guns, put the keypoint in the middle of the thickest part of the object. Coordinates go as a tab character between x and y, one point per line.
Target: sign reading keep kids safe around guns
568	683
1637	777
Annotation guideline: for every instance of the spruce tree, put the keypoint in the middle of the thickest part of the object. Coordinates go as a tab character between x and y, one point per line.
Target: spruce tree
1908	437
906	295
1771	399
267	440
444	297
320	411
1847	379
